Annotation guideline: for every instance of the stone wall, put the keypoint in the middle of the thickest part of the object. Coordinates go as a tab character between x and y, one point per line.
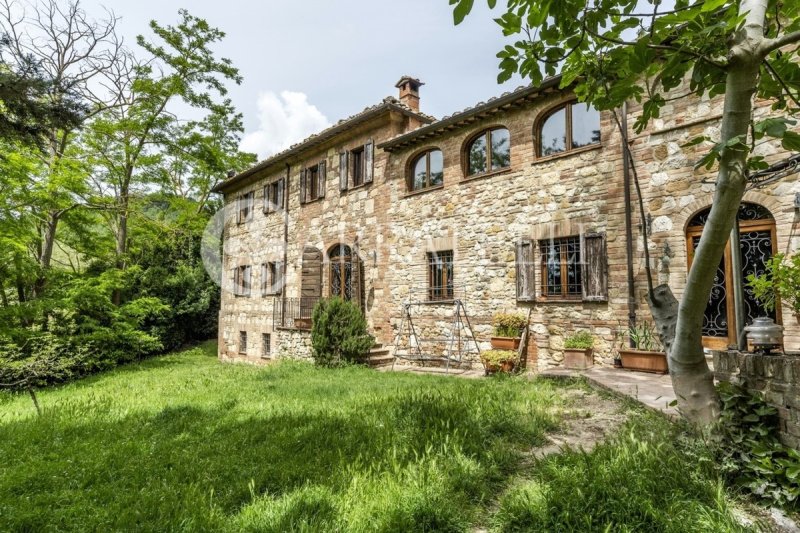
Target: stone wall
777	377
481	218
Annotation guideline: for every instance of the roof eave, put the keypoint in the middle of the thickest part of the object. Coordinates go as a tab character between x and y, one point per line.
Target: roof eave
508	101
287	155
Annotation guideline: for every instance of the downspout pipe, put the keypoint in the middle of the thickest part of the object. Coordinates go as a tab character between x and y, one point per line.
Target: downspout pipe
626	175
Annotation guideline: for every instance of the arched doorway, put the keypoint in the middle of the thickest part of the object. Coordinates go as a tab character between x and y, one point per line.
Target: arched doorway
345	273
758	244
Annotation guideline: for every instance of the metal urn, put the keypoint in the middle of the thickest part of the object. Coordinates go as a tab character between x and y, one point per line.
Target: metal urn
765	335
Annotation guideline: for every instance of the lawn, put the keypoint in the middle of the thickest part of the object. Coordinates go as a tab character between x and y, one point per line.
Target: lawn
184	443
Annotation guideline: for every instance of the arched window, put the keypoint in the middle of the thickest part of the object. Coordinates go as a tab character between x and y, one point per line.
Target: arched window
488	151
569	127
427	170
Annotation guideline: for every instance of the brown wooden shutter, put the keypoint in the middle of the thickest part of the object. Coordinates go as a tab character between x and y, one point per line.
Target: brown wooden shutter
265	279
321	179
236	281
526	271
344	170
266	207
303	187
357	280
311	273
369	161
247	280
277	283
594	263
282	193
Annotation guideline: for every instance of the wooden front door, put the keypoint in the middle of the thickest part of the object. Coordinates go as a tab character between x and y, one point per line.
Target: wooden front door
758	244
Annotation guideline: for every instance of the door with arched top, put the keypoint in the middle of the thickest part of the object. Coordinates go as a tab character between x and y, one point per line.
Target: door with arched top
344	273
758	244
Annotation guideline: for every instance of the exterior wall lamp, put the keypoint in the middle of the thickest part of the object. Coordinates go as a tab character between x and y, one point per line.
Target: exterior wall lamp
797	202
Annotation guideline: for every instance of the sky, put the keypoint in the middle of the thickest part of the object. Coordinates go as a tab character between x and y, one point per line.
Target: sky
309	63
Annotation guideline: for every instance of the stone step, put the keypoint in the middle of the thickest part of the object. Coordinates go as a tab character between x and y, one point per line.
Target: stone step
380	360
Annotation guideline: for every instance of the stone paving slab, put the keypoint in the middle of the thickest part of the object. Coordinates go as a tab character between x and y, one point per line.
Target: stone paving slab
651	390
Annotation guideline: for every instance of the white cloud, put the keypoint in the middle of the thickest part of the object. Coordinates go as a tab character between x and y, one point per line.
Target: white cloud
283	121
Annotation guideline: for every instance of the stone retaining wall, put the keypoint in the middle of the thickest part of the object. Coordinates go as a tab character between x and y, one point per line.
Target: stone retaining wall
777	377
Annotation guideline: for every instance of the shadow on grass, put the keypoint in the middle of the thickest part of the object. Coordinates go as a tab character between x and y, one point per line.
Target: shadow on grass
190	468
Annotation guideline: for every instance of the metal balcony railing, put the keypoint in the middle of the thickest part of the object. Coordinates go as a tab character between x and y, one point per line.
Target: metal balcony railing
293	313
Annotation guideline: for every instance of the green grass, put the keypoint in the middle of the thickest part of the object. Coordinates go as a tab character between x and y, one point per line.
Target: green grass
184	443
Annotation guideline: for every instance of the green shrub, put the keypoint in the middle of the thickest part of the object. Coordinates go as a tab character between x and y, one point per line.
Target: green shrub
497	357
508	324
339	332
580	340
780	281
749	451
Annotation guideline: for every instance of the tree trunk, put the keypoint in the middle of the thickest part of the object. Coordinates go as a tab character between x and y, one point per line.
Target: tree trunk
122	238
46	253
691	379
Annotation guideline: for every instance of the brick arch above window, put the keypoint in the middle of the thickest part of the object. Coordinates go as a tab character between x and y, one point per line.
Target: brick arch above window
487	151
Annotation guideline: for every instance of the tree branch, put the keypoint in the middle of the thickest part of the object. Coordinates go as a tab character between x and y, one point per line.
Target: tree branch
770	45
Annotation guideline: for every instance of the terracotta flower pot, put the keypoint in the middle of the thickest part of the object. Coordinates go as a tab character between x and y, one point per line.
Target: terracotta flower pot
505	343
577	359
644	361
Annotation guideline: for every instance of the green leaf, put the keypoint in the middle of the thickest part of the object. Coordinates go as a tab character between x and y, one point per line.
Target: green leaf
791	141
461	10
711	5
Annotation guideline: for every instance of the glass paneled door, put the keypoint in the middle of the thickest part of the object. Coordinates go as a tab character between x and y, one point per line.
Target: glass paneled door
758	244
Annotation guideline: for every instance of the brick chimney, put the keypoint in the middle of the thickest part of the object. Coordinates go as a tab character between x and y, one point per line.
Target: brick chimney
409	91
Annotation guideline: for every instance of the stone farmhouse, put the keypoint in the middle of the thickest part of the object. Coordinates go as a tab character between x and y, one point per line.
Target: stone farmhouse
523	202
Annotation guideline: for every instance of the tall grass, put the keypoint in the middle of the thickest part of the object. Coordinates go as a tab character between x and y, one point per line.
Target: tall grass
645	479
184	443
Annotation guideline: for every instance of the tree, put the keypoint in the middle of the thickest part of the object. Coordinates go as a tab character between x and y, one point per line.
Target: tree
613	51
69	60
131	142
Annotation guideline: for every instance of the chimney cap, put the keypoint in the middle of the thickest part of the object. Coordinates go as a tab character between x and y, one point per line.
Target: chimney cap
405	79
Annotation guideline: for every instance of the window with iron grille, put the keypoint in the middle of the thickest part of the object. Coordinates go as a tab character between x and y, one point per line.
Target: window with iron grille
266	345
440	275
561	268
243	342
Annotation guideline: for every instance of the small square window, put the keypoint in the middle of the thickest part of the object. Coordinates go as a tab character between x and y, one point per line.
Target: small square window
243	342
266	345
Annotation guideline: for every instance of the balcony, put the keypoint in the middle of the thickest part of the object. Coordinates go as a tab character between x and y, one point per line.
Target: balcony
293	313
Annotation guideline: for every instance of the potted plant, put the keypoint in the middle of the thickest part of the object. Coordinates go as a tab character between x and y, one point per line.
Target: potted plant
647	354
578	350
498	361
507	330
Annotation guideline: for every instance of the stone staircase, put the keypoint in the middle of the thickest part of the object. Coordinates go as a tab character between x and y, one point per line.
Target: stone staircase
379	355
